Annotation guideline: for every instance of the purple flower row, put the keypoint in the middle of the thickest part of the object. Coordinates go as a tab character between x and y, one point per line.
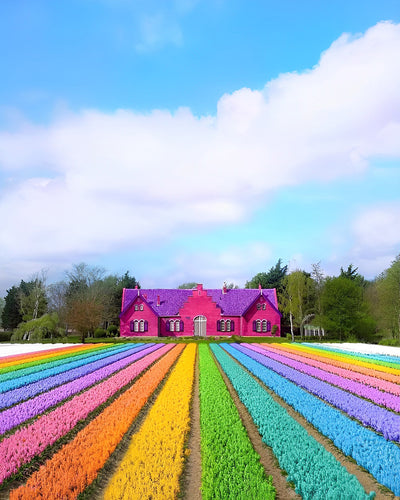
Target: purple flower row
380	419
22	393
325	365
21	412
26	443
17	382
375	395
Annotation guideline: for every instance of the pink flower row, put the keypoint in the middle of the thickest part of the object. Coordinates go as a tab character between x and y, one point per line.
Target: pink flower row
369	380
26	443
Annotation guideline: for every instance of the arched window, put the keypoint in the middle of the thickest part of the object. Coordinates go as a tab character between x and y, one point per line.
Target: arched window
264	325
177	326
141	307
222	325
136	325
172	325
228	325
142	325
136	307
264	307
258	325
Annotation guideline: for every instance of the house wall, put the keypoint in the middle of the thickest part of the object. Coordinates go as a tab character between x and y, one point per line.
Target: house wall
147	314
269	314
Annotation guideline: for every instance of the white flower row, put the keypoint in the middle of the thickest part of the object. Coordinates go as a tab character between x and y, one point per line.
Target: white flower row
365	348
11	349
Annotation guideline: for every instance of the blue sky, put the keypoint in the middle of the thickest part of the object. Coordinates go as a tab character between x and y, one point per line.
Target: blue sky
198	140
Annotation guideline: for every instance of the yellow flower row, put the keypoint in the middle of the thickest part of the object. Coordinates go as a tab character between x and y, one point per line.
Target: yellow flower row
154	461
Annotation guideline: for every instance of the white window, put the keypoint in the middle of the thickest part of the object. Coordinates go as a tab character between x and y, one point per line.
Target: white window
172	326
258	329
264	306
228	325
136	307
264	325
222	325
141	307
142	325
178	326
136	325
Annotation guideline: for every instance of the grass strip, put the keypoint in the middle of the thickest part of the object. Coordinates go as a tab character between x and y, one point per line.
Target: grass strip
231	467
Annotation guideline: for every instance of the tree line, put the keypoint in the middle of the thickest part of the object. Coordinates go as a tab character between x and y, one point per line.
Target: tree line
88	301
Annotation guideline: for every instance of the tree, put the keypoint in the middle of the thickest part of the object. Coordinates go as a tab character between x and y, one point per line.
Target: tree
45	327
272	279
388	294
11	315
341	301
33	300
57	301
2	304
297	299
188	286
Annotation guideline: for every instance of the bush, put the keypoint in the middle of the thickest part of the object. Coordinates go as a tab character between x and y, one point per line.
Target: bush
390	342
100	333
5	336
41	328
112	331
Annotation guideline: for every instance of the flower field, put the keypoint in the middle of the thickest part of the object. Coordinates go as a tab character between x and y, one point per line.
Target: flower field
118	421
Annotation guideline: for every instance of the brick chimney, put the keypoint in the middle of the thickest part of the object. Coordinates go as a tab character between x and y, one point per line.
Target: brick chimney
224	288
158	300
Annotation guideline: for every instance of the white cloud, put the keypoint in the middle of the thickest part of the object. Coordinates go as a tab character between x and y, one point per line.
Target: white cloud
125	179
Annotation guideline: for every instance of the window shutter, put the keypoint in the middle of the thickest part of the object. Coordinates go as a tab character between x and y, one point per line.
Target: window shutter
146	325
268	326
254	326
181	325
232	326
167	326
218	325
131	326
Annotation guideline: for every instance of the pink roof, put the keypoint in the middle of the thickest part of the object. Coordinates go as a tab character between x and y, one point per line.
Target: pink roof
234	302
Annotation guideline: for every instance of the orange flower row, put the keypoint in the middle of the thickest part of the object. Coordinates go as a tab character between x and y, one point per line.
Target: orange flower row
154	461
78	462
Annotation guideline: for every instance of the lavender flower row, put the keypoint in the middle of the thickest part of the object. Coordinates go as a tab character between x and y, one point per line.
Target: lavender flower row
43	364
378	397
367	413
18	414
379	457
34	377
12	397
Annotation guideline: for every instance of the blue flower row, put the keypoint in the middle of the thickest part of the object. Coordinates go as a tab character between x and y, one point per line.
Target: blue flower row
314	471
17	395
373	452
57	369
369	414
16	371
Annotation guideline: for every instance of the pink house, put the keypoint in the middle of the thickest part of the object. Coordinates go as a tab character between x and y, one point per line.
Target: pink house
201	312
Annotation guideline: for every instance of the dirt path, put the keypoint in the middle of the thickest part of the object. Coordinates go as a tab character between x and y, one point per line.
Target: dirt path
366	480
191	480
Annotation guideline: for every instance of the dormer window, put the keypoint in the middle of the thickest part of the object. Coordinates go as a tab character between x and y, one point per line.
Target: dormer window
141	307
136	307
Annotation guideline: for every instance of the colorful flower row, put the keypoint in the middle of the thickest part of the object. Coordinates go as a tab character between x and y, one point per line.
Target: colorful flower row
21	359
26	443
43	364
332	360
314	471
12	397
386	360
21	412
154	461
57	369
380	419
375	395
231	467
325	365
77	463
370	450
354	361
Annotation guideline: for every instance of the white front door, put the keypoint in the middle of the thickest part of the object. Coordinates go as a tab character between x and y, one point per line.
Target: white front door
200	326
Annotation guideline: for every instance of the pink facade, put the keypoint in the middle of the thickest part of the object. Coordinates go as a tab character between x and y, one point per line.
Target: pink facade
200	312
